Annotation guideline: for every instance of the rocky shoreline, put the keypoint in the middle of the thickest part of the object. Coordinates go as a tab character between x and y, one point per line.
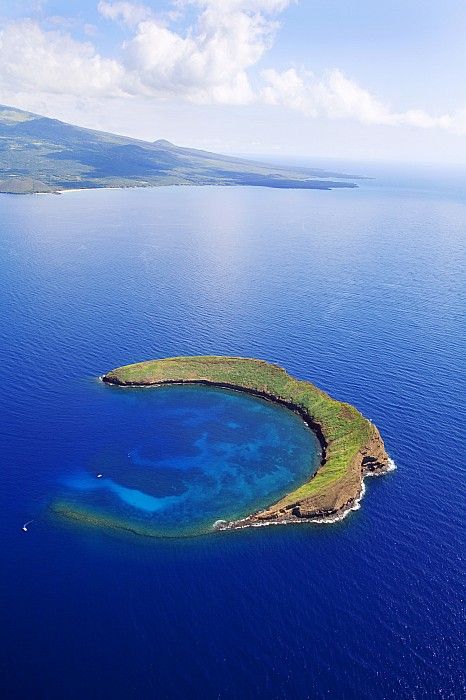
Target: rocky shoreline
307	511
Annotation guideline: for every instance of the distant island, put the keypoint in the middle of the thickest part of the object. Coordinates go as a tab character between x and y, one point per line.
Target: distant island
352	447
40	155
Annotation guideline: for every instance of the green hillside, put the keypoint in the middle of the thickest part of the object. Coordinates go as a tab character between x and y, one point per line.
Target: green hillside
38	154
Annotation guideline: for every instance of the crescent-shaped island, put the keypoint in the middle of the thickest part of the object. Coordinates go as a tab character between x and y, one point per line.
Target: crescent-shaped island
352	447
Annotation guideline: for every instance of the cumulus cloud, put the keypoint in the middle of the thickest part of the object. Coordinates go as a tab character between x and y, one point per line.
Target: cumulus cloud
210	62
333	95
214	60
269	6
129	13
337	97
38	61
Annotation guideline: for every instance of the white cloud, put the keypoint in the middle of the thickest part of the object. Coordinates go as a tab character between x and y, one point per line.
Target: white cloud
337	97
288	89
129	13
268	6
213	61
210	62
33	60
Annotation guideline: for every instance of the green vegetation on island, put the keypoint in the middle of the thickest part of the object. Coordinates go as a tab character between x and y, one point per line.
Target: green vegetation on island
38	154
351	444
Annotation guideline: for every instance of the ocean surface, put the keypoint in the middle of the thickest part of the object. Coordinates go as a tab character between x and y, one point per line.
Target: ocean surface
360	291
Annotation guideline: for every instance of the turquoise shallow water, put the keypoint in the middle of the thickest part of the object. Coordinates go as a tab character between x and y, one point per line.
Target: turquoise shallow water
174	460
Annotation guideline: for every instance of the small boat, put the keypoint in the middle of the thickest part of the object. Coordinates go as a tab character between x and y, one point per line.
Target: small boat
99	476
25	526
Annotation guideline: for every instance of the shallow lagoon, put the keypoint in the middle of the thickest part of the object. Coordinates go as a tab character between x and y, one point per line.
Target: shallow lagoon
174	460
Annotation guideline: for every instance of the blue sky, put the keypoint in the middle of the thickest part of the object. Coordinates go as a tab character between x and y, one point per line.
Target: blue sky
365	80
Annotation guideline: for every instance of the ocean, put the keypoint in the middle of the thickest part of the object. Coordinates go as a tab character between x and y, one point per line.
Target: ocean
362	292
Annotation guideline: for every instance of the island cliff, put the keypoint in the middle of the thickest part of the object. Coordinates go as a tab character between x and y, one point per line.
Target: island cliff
352	447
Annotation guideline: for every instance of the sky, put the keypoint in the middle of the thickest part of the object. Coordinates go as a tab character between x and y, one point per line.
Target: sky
353	79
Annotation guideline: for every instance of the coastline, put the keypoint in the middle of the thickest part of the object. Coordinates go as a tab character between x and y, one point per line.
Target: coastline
250	521
320	186
352	447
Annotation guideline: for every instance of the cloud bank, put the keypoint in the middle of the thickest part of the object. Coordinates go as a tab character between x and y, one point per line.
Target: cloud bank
337	97
215	60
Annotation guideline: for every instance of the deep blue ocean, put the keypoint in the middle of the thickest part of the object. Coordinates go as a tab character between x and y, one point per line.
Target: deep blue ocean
360	291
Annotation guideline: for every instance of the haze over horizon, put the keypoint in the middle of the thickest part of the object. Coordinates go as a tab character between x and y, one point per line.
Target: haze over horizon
346	81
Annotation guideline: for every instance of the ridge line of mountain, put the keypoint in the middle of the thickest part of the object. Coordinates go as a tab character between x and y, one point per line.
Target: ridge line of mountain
43	155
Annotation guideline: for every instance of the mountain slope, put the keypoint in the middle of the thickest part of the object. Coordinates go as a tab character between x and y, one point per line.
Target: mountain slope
38	154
